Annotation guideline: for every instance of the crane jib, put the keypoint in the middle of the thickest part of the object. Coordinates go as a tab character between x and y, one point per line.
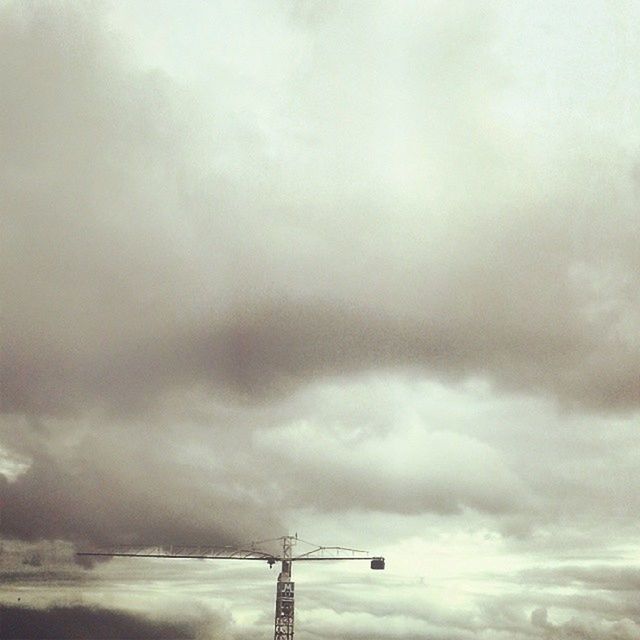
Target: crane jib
285	586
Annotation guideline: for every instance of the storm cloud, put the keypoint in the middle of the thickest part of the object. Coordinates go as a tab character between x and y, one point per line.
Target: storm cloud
367	268
150	269
22	623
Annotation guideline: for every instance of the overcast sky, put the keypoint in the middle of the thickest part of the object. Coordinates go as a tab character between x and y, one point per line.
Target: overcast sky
367	271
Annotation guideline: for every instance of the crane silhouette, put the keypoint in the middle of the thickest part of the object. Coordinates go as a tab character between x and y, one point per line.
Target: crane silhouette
284	610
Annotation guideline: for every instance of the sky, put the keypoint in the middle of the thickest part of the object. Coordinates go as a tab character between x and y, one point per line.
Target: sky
366	271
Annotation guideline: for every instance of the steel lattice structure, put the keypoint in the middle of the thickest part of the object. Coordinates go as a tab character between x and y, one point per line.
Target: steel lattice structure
284	609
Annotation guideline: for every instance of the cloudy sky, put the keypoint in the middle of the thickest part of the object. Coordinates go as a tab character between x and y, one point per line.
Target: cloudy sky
367	271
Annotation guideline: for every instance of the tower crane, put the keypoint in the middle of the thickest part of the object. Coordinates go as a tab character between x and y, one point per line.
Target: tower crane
285	556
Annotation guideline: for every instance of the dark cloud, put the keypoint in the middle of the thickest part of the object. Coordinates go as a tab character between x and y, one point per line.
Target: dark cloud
24	623
131	496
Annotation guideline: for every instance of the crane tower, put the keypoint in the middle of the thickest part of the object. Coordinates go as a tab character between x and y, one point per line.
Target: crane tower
284	609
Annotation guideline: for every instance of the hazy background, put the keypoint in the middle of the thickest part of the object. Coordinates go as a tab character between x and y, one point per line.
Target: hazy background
365	271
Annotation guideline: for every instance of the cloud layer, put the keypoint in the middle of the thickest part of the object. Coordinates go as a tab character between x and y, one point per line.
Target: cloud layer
154	265
331	263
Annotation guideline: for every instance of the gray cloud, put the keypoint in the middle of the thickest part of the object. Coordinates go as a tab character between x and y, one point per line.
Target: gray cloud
123	488
23	623
592	577
149	270
592	628
333	195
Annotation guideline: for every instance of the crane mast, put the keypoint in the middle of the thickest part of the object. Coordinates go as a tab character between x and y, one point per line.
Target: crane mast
284	595
284	609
